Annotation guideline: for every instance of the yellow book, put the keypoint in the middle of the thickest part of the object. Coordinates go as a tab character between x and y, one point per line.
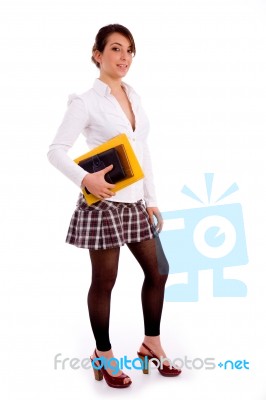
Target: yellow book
128	159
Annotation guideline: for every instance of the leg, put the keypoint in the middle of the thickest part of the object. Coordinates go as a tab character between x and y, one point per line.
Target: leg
152	260
104	272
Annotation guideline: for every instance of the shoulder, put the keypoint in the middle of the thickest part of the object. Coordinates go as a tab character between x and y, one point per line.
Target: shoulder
82	101
84	97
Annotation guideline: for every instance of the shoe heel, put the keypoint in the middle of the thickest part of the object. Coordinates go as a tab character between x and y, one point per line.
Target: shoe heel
145	369
98	375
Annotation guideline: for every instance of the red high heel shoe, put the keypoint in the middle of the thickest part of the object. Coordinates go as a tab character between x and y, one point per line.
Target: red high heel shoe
112	381
165	370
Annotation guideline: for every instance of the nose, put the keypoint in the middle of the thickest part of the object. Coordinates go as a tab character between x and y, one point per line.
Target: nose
123	55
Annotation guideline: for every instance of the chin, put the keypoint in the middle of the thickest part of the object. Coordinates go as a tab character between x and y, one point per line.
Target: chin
122	73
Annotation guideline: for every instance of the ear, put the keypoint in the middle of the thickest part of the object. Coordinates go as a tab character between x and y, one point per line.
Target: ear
97	55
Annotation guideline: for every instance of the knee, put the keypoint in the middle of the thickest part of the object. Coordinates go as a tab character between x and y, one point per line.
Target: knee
159	275
163	268
108	284
162	262
104	284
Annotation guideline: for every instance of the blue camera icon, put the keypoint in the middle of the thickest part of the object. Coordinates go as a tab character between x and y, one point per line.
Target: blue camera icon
211	237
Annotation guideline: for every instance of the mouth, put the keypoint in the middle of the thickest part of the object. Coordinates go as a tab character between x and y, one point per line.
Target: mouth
123	67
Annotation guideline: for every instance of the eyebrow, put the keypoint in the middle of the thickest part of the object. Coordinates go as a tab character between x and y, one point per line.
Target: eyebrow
119	44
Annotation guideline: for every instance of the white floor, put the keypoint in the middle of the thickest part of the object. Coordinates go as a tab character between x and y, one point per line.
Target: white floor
47	315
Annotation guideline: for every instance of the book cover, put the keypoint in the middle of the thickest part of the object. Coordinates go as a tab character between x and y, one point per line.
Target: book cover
129	161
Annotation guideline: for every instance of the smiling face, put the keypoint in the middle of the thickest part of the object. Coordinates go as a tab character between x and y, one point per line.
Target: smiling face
116	58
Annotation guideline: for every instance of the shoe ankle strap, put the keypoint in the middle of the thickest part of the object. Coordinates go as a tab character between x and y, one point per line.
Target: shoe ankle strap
152	353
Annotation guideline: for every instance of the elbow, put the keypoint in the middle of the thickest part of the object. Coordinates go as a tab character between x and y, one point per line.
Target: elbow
50	155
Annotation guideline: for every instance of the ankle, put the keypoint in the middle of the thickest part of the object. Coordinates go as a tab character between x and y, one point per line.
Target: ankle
152	340
106	354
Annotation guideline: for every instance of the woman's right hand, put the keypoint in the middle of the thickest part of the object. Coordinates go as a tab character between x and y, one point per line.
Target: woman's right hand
97	185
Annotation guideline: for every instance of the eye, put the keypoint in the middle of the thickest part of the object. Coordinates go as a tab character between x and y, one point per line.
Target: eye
115	48
130	51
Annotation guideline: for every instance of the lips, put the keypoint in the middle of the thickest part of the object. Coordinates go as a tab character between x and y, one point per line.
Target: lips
122	66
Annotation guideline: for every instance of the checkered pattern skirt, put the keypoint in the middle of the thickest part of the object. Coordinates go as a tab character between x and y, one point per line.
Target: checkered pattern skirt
108	224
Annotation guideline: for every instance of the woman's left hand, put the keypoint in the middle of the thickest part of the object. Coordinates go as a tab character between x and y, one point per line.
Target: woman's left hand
155	212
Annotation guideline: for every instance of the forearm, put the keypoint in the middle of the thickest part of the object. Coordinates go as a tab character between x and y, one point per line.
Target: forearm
61	161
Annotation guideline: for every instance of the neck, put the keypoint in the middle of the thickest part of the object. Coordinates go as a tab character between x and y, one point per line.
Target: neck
114	84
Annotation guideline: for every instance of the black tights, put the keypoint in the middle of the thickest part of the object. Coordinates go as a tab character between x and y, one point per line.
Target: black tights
152	260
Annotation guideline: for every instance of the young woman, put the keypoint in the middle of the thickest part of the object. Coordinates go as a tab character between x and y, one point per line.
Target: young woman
109	108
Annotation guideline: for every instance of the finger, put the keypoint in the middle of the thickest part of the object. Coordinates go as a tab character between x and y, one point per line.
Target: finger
106	192
109	185
106	169
159	225
150	213
105	196
108	189
106	185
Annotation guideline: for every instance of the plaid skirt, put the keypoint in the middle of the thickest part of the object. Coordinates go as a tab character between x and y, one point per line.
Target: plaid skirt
108	224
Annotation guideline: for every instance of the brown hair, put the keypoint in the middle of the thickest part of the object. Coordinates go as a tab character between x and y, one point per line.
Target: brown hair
104	33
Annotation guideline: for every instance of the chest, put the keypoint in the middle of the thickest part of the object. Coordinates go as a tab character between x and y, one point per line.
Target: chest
125	104
107	118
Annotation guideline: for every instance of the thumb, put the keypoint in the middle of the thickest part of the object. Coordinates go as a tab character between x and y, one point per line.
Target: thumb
108	168
150	213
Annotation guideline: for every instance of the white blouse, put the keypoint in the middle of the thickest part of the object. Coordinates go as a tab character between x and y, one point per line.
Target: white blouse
99	116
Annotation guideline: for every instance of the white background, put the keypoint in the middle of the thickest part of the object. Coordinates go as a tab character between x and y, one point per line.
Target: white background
200	69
